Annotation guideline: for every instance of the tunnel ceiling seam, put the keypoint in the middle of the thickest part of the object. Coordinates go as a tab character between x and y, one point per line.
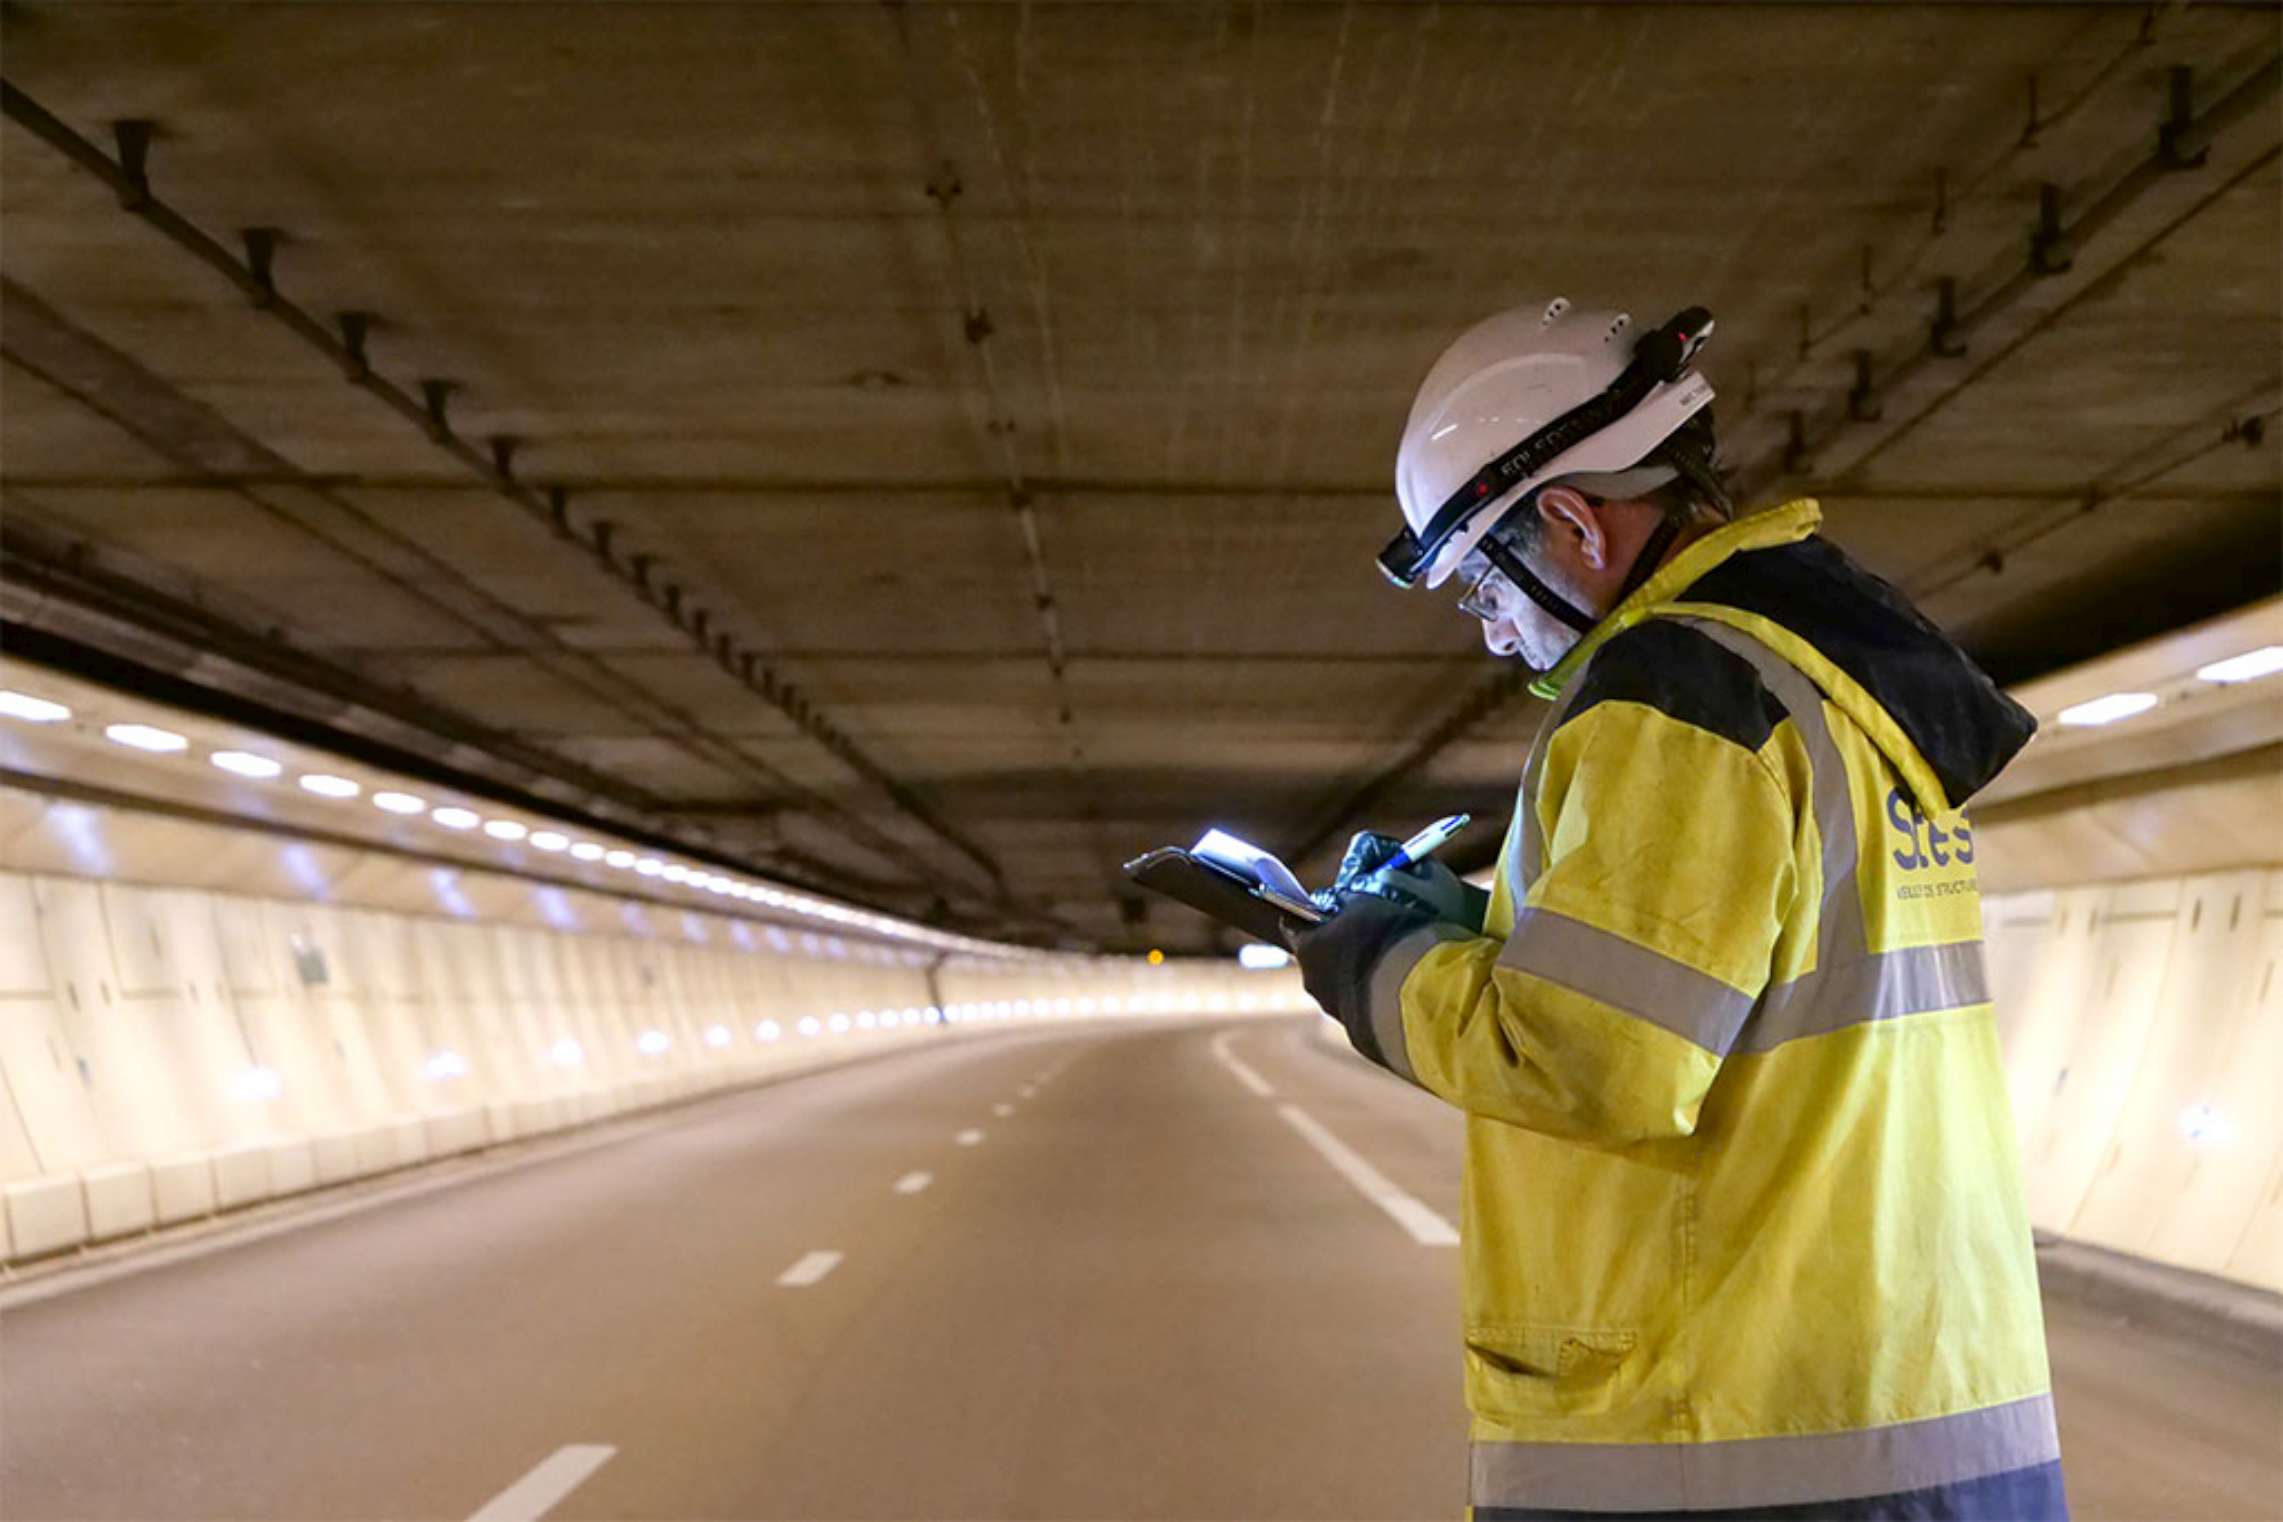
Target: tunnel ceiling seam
944	187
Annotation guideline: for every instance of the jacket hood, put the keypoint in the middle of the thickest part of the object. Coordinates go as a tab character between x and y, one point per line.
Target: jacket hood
1920	699
1930	710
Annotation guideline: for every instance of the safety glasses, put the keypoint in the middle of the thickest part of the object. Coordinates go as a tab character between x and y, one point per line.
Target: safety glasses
1488	593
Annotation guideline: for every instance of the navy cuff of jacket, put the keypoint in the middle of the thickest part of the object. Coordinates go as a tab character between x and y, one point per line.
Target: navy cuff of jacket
1354	966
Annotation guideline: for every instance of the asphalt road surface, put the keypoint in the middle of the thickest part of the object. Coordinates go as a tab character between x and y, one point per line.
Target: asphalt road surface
1137	1270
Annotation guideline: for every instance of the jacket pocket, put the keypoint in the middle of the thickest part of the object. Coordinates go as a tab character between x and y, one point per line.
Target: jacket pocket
1542	1371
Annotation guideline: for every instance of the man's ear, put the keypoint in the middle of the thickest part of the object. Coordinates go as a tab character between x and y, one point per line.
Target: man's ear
1571	520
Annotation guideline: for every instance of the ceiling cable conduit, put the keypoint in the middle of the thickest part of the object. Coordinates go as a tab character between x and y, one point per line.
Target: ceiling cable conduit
79	366
2248	422
62	607
345	344
2182	141
1949	193
2044	321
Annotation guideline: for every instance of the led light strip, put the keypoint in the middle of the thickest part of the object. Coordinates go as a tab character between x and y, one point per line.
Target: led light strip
252	766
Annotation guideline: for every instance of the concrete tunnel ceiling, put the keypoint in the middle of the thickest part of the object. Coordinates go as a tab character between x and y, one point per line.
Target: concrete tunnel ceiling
932	453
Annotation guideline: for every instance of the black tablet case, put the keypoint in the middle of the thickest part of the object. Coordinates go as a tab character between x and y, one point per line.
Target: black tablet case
1213	892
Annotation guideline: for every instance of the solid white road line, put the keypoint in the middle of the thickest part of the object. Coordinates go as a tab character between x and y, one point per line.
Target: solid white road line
969	1137
1425	1226
1002	1111
1245	1075
553	1478
913	1183
810	1269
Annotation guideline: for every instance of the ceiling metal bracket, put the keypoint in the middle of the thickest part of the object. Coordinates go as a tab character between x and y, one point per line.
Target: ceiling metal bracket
1863	398
355	328
2049	250
2176	143
1942	338
261	261
1796	459
133	137
436	403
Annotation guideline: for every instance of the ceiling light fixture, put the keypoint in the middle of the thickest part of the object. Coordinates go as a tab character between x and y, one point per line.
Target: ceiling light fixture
244	763
2108	710
2247	667
22	705
145	737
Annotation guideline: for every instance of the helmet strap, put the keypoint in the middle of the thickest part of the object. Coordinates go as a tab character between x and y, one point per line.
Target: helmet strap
1652	550
1511	566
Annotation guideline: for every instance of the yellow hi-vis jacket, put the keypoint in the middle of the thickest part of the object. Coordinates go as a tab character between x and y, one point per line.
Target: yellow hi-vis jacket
1744	1224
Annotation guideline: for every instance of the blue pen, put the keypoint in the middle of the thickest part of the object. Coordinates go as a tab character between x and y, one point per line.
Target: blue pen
1426	843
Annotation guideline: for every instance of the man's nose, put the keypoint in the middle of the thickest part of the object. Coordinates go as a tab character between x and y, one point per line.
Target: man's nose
1501	636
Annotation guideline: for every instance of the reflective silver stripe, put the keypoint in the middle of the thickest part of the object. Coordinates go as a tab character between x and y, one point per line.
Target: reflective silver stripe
1521	865
1916	980
1605	966
1850	985
1770	1471
1383	1000
1840	928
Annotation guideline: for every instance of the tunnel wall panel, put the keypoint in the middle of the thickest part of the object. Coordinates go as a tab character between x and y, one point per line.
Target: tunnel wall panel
2143	1030
119	1200
176	1049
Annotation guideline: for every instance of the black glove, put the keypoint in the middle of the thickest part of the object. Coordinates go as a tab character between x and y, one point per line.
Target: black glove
1367	853
1428	887
1433	889
1338	957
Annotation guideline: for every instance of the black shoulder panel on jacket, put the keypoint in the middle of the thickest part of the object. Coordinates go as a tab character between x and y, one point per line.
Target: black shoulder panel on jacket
1682	675
1961	723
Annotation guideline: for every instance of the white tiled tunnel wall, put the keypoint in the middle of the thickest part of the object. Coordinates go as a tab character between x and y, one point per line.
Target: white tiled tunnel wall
168	1051
2143	1030
174	1051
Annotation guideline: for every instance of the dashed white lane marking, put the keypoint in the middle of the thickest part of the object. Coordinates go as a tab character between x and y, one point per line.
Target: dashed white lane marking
551	1479
1002	1111
1245	1075
810	1269
1028	1090
969	1137
1425	1226
913	1183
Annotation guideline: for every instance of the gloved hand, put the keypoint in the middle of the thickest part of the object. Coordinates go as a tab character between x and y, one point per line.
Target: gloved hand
1428	887
1434	889
1367	853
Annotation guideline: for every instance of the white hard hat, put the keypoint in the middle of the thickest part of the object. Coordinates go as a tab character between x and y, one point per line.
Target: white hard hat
1532	395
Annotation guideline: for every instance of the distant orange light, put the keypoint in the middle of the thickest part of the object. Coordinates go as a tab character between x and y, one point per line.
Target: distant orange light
1156	957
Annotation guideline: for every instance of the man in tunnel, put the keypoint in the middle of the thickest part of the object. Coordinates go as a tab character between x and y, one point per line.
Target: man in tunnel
1744	1230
